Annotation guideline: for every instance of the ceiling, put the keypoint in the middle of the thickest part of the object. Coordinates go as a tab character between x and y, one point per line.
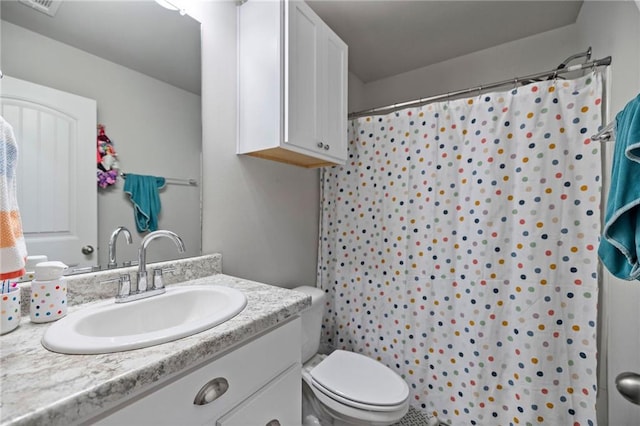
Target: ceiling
385	37
389	37
140	35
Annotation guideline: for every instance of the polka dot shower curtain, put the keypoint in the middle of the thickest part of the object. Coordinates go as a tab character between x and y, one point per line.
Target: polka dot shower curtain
458	247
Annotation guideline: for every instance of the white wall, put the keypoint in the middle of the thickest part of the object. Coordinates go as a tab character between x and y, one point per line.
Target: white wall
614	29
261	215
356	101
155	128
522	57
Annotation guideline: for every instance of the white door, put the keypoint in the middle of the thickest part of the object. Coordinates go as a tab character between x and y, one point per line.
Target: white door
56	174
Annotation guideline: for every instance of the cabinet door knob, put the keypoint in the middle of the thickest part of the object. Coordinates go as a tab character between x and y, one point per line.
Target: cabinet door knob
211	391
320	145
86	250
326	147
273	422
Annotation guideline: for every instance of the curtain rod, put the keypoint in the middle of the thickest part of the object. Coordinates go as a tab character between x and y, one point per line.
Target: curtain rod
514	81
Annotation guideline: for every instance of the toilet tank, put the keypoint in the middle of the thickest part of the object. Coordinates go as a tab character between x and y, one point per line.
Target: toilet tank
311	321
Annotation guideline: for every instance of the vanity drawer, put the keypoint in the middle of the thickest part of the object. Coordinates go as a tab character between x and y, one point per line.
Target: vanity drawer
232	378
273	405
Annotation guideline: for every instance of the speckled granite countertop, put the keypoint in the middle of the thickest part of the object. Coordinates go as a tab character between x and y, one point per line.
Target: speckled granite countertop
39	387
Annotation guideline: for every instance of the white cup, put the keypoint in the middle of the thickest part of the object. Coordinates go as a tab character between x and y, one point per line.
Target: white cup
48	300
10	310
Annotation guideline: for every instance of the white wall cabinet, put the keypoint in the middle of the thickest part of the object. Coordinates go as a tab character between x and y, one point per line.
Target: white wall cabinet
258	383
292	85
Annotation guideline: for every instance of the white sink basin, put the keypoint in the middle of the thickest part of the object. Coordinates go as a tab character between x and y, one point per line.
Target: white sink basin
114	327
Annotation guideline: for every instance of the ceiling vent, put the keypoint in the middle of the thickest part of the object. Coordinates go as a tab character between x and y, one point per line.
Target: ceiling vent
48	7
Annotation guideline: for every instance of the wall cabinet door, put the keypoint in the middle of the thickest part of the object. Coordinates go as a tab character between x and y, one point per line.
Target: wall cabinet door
333	90
316	80
303	77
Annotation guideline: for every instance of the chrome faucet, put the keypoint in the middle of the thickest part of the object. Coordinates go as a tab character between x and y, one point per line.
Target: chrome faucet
126	292
142	257
112	244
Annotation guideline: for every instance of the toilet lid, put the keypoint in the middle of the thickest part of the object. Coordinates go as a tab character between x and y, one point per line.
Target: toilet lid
360	379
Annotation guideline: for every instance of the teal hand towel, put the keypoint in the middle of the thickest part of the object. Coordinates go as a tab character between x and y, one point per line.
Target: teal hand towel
143	191
620	243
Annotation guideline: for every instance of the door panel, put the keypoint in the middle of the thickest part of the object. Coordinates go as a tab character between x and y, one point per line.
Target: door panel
335	102
57	189
302	75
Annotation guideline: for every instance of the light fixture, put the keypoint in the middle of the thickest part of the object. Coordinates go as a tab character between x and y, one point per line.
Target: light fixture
171	6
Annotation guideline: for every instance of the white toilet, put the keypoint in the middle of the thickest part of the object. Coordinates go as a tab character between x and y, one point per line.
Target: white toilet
345	388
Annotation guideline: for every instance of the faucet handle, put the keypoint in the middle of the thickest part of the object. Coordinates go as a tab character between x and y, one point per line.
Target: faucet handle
158	281
124	285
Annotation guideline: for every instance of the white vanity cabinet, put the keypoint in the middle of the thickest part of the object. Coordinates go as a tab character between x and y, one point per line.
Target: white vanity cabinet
258	383
292	85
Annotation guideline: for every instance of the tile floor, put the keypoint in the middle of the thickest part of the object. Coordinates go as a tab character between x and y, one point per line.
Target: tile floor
414	418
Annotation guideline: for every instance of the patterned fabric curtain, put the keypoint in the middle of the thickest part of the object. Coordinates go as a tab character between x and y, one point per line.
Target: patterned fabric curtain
458	247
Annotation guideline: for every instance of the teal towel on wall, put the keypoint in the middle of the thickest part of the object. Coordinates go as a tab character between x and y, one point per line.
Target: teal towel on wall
620	243
143	191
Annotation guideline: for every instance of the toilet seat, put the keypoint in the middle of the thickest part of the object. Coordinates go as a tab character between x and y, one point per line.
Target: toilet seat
354	404
356	416
359	382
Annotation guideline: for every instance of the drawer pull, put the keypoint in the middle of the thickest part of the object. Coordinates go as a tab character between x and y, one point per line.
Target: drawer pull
211	391
273	422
